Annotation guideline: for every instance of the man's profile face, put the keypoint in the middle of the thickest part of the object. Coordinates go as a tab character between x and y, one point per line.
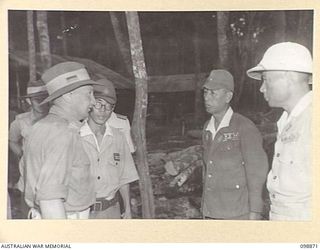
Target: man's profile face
83	100
275	88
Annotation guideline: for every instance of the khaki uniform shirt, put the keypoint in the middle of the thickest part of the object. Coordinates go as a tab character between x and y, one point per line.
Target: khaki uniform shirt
289	181
57	167
19	132
122	123
112	162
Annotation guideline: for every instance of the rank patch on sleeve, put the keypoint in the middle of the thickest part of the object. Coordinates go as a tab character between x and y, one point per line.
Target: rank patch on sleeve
116	156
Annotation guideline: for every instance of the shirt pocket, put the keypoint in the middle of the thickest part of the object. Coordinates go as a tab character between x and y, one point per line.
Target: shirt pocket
81	169
229	146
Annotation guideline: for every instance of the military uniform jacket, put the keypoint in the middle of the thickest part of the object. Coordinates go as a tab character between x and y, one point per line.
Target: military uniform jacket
235	170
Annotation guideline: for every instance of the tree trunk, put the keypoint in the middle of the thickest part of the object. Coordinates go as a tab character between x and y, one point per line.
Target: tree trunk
64	37
122	41
140	113
44	40
31	47
223	46
198	102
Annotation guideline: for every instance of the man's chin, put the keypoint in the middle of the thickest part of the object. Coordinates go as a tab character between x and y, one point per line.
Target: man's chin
210	110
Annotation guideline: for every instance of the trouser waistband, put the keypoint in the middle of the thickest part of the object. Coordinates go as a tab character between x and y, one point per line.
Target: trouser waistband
103	204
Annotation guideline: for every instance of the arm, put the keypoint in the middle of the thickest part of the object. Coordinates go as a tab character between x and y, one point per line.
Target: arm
16	148
52	209
15	138
125	194
256	167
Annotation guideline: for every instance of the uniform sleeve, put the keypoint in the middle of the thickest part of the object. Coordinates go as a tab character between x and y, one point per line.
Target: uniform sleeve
53	178
129	172
15	131
256	165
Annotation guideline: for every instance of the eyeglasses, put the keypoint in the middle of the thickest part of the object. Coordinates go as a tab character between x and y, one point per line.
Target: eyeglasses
102	104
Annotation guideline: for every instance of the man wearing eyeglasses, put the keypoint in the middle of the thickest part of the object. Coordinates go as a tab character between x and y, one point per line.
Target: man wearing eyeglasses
110	157
236	165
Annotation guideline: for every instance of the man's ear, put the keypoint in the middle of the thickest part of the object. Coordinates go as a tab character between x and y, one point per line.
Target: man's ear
229	96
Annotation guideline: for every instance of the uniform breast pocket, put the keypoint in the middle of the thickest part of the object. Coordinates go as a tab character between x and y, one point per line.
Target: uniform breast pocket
230	145
115	161
81	169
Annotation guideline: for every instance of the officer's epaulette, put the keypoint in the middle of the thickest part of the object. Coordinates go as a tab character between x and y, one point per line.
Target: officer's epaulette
123	117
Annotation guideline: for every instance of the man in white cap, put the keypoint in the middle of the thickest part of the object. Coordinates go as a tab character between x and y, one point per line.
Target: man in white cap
286	74
236	165
110	157
58	182
20	127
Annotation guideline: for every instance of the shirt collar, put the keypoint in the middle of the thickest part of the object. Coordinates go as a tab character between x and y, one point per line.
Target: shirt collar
225	122
85	130
303	103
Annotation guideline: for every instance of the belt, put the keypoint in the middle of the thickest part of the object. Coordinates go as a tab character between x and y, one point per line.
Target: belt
103	204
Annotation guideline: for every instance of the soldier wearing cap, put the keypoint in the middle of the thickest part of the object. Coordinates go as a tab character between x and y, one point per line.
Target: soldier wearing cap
58	182
236	165
20	127
109	153
117	120
286	74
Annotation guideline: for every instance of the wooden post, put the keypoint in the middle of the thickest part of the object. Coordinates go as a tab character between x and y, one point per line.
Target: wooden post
140	113
44	39
31	47
18	88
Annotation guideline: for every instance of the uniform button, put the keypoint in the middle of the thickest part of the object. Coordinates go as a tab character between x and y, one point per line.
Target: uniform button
274	177
98	159
278	154
273	196
237	186
210	162
209	175
291	162
98	177
208	189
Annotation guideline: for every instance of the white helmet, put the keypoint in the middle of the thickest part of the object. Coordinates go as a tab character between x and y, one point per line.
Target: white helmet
285	56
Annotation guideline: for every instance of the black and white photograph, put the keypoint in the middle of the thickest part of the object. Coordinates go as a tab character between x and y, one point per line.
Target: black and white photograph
163	115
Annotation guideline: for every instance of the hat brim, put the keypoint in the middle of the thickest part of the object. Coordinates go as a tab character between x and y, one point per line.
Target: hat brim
256	72
67	89
41	93
108	99
216	87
